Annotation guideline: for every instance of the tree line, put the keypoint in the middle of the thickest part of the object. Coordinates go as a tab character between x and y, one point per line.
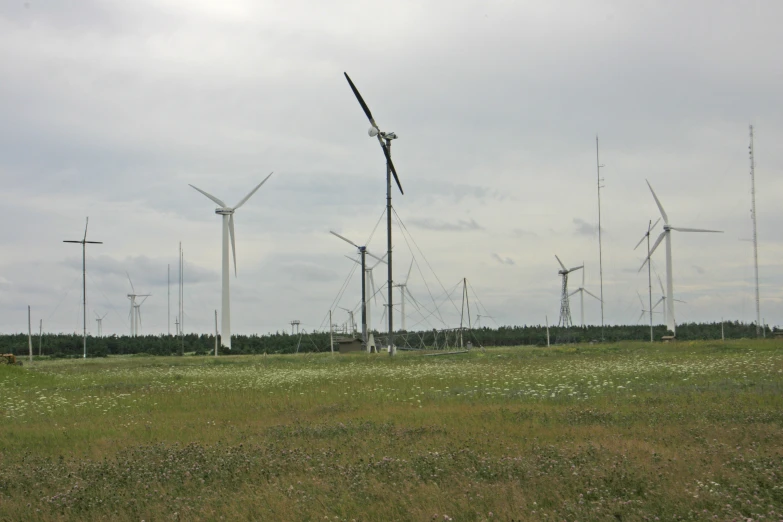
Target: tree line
70	345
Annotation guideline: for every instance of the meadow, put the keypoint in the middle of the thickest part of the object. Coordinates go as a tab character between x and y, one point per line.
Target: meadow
626	431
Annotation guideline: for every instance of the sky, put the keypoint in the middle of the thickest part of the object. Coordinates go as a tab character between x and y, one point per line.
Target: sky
112	108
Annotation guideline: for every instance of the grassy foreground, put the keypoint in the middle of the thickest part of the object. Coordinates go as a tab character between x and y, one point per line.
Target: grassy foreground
632	431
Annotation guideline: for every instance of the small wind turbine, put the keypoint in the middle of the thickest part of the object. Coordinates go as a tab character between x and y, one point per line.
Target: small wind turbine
643	310
363	252
84	244
666	234
99	319
135	314
351	319
663	299
385	139
582	290
228	230
478	319
565	309
404	288
646	236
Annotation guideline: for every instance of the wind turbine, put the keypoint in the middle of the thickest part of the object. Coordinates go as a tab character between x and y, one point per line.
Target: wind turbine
646	236
137	315
582	290
84	244
478	319
385	139
565	309
134	313
99	319
351	319
643	310
228	230
666	234
363	252
663	298
404	288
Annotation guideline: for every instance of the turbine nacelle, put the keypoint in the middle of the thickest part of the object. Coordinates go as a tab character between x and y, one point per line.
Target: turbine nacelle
224	211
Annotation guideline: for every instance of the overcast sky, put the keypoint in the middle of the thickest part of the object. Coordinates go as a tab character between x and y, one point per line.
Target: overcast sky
111	108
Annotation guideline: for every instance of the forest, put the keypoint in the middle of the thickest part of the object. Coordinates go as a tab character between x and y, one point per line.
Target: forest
70	345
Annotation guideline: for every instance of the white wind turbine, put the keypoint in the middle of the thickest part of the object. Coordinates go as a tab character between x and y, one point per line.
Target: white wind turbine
228	231
135	308
666	234
582	291
403	289
663	299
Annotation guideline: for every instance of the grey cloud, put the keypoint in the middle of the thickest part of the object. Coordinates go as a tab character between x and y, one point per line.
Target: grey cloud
699	270
502	260
521	232
583	228
434	224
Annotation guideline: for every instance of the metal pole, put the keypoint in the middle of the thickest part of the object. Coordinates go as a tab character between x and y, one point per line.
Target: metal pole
363	251
216	335
84	290
168	298
649	277
462	313
600	251
40	336
722	337
331	337
392	348
29	334
755	237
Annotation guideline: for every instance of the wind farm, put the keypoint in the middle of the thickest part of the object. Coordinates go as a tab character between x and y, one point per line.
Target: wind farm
338	346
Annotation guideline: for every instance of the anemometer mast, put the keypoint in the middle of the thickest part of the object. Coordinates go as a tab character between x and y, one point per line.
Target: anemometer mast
755	236
600	252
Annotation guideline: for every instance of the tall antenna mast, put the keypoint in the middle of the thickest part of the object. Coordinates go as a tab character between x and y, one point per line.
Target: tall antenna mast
755	236
600	250
168	298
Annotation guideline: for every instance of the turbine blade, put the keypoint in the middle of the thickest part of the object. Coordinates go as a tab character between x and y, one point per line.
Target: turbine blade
361	101
660	207
354	260
380	260
252	192
409	273
659	301
641	240
656	222
640	316
655	245
131	282
575	292
561	263
233	245
640	298
661	285
575	268
696	230
344	239
389	162
86	224
681	301
210	196
591	294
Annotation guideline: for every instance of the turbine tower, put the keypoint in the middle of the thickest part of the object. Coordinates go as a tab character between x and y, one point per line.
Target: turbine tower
385	139
228	231
403	289
134	315
99	319
565	309
662	299
666	234
582	290
755	236
84	244
646	236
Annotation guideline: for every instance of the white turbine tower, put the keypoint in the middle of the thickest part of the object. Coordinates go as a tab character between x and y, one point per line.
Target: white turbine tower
404	288
228	231
663	298
666	234
582	291
135	314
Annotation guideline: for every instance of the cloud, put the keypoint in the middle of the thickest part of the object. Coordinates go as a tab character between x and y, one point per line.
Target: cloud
521	232
435	224
699	270
501	260
583	228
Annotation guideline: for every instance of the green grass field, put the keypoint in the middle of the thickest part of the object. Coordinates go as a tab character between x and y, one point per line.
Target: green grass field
692	431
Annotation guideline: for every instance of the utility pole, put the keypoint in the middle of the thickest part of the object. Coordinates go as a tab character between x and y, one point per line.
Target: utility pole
216	335
40	335
755	237
600	250
29	334
331	337
84	243
168	299
547	331
649	277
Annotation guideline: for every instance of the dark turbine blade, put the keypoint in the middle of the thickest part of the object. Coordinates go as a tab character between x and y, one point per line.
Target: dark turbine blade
361	100
389	162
